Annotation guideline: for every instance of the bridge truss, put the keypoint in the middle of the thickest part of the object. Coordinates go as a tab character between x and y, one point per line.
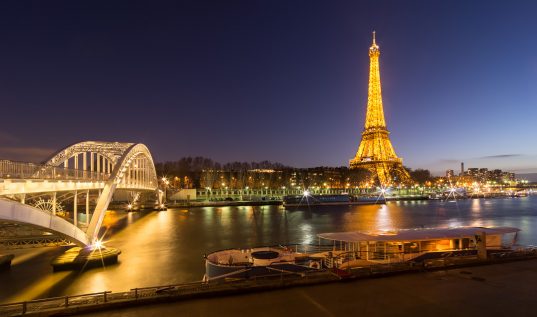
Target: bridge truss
90	172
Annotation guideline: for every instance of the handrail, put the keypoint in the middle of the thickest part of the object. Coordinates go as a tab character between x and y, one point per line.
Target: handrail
48	299
276	246
65	300
20	170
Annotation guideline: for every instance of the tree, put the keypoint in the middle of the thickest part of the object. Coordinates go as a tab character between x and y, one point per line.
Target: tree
421	176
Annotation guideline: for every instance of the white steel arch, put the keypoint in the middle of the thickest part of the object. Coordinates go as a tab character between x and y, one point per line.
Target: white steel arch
92	165
126	164
20	213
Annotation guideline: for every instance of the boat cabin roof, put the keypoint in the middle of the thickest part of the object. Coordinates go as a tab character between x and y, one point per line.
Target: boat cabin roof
416	234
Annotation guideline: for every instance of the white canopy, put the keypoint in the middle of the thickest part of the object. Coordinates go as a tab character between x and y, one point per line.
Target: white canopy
416	234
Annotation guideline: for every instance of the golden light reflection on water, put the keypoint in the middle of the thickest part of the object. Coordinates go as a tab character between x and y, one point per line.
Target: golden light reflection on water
130	218
39	287
476	205
98	283
139	252
306	233
384	221
370	218
454	222
27	255
110	218
167	247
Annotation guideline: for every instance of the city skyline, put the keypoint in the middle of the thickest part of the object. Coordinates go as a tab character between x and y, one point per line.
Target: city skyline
197	79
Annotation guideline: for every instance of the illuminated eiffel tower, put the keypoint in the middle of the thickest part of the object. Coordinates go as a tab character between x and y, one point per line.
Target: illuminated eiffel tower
376	152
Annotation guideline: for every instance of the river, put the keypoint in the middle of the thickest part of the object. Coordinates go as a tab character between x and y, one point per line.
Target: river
167	247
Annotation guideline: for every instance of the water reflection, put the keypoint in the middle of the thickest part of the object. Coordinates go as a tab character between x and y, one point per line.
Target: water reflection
307	236
476	205
383	219
167	247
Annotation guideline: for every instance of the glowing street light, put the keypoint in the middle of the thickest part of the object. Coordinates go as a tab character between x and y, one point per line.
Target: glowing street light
97	245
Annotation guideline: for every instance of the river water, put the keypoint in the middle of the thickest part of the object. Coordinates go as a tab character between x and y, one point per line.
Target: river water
167	247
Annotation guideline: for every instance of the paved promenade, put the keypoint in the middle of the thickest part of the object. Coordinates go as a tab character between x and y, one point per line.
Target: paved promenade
508	289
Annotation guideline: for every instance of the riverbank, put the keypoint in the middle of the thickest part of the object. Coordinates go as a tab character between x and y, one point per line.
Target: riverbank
223	203
277	202
493	290
107	300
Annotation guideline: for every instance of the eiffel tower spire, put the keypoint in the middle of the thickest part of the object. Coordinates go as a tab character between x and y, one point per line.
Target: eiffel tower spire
375	111
376	152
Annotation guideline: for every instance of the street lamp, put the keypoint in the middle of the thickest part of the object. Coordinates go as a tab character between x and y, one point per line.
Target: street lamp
166	182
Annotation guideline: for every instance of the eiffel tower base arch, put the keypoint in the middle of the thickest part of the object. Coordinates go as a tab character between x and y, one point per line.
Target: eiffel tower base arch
385	173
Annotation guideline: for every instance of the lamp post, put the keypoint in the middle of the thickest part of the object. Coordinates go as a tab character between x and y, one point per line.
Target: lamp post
165	183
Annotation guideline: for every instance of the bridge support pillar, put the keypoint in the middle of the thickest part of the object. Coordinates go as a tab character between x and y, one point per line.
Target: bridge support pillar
75	208
84	163
54	203
87	207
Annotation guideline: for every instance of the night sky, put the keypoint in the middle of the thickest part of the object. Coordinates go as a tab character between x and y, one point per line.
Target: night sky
271	80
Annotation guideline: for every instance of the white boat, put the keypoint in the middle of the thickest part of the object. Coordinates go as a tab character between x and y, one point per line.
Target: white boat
344	250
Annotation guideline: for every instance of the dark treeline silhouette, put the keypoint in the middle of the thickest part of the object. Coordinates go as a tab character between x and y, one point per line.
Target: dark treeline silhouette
202	172
420	176
197	164
195	172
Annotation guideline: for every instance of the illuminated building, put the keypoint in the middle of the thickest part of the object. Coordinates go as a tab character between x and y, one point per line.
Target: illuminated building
376	152
484	175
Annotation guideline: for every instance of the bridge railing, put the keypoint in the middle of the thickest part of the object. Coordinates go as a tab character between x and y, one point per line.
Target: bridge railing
21	170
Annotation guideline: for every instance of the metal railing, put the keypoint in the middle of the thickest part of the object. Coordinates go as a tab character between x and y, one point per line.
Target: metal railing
36	305
56	304
21	170
136	294
34	242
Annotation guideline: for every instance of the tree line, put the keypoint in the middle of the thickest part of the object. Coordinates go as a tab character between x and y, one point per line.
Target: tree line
202	172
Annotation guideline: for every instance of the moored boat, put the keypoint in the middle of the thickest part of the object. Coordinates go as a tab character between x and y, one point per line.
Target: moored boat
347	250
328	200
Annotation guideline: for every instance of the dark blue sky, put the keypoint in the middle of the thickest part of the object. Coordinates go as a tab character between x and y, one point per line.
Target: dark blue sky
277	80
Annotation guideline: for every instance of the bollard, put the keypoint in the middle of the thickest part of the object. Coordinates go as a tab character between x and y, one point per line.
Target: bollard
66	301
24	308
136	293
104	296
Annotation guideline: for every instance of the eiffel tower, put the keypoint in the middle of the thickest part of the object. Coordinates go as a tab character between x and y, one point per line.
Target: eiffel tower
376	152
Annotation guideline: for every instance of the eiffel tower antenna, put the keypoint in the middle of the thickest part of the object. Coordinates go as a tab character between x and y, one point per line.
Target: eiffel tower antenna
376	152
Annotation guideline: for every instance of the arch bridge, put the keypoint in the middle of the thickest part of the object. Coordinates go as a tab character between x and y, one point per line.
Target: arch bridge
33	195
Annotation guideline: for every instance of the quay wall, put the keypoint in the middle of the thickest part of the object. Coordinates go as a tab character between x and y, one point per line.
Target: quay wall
77	304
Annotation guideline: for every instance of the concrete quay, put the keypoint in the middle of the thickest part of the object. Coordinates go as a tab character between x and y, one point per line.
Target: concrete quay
506	289
447	288
222	203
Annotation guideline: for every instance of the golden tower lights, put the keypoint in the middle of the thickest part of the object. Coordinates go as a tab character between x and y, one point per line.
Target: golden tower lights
376	152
